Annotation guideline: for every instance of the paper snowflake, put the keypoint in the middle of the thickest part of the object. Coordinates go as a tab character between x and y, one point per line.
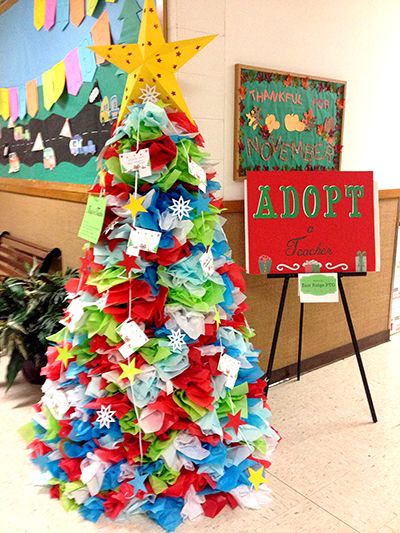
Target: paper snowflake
149	94
180	208
105	416
176	340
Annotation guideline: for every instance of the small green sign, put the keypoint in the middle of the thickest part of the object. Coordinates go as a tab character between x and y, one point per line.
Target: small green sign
93	219
318	288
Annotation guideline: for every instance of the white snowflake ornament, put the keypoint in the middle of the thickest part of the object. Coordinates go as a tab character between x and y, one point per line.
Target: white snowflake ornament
149	94
180	208
176	340
105	416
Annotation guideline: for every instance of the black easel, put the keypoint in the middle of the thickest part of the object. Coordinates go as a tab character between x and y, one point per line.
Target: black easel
286	278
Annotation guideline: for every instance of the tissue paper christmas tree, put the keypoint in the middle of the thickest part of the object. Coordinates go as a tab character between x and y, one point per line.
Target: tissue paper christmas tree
154	398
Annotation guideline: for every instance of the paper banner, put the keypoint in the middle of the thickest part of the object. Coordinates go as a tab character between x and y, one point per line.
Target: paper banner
22	101
48	89
50	14
91	6
87	61
39	13
73	72
58	79
4	103
14	105
76	11
32	102
62	14
101	34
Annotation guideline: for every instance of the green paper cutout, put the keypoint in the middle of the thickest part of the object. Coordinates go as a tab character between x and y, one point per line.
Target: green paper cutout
93	219
318	285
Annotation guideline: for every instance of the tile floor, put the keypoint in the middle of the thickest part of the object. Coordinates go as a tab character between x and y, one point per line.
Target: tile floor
334	471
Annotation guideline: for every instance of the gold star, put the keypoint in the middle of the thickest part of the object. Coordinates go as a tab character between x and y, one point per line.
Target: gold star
135	205
143	61
64	355
256	477
129	370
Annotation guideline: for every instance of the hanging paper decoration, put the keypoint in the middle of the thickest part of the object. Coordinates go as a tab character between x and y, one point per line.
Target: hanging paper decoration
50	14
48	89
73	72
91	6
4	103
22	101
32	99
101	34
136	416
62	17
58	79
14	105
87	61
77	11
39	7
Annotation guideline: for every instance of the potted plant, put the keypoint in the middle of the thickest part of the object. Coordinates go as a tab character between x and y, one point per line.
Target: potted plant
30	309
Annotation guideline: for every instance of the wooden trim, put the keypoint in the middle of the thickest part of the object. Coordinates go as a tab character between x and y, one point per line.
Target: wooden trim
165	19
6	5
330	356
71	192
236	127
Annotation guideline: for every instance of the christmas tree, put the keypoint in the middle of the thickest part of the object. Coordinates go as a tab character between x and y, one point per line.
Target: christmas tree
154	398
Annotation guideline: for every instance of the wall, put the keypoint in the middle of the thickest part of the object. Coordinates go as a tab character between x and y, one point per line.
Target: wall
356	41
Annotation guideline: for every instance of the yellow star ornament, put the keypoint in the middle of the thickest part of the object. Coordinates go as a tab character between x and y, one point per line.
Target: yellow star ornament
64	355
129	371
152	61
135	205
256	477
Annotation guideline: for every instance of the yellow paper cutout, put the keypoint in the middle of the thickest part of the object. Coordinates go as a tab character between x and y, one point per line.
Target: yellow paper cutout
4	103
271	123
64	355
129	371
48	89
135	205
58	79
256	477
32	102
152	61
101	34
91	6
39	10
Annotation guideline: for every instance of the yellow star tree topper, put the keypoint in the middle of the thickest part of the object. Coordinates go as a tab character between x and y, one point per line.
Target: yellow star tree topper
152	62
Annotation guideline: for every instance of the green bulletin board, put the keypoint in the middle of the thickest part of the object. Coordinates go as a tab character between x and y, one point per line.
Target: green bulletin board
286	121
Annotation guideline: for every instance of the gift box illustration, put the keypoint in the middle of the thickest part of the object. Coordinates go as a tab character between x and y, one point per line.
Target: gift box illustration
361	261
264	263
312	266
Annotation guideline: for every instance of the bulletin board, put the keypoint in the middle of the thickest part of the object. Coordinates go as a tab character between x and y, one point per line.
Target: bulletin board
286	121
57	148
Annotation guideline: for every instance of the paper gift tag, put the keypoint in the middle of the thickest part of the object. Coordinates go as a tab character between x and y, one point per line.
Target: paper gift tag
143	239
230	367
136	161
207	263
132	335
198	172
93	218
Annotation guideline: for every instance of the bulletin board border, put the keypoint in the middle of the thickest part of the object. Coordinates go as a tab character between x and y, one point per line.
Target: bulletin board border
238	68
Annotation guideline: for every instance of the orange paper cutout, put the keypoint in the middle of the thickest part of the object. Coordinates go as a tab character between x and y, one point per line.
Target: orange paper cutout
32	102
76	11
101	34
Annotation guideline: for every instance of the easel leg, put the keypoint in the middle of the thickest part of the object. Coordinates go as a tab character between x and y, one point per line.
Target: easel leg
276	332
300	341
357	349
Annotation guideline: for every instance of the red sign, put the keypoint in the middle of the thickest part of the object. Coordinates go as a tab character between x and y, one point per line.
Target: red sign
311	221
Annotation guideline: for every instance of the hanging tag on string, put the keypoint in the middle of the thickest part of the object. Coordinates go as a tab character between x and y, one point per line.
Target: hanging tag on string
198	172
93	219
132	335
136	161
207	263
230	367
143	239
